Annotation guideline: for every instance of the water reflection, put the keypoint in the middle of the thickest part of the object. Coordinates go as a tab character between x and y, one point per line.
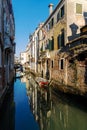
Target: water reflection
55	112
24	119
50	111
7	112
16	113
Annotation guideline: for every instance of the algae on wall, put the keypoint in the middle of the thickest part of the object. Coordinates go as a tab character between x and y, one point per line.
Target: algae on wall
72	73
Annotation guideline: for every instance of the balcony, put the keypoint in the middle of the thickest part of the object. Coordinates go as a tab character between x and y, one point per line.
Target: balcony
44	55
75	47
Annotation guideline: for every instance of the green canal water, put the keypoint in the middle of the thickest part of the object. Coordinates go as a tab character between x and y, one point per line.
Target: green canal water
30	107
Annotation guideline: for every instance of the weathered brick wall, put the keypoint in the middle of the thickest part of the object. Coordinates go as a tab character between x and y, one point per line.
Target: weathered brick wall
56	73
74	75
81	75
71	74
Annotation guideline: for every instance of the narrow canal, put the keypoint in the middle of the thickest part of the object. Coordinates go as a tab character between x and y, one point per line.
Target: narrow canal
29	107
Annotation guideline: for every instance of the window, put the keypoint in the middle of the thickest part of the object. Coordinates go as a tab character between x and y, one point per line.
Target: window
61	64
52	63
51	23
78	8
47	44
51	44
60	13
48	26
61	39
58	17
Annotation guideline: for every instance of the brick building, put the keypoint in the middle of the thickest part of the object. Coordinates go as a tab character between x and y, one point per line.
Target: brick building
61	37
58	47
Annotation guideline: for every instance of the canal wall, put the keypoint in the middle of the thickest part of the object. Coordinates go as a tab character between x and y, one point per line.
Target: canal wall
5	90
74	85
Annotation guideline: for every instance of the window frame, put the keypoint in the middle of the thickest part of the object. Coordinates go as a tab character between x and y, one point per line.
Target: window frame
61	39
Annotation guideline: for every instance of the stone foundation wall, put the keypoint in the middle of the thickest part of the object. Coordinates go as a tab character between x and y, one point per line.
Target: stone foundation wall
74	74
11	76
71	74
56	73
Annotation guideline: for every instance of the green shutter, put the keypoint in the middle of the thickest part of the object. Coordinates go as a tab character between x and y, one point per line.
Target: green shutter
78	8
62	39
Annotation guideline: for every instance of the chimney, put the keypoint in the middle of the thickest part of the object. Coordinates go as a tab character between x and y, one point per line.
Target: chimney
50	8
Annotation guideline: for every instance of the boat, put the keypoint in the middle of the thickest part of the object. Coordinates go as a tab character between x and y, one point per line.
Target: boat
43	83
19	74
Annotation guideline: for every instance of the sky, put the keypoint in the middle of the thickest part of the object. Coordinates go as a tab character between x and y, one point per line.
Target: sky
28	14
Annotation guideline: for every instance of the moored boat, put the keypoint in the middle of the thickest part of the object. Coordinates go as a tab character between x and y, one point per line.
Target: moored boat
42	82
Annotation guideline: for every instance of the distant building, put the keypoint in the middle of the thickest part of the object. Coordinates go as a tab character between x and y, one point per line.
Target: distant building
34	49
23	58
16	60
